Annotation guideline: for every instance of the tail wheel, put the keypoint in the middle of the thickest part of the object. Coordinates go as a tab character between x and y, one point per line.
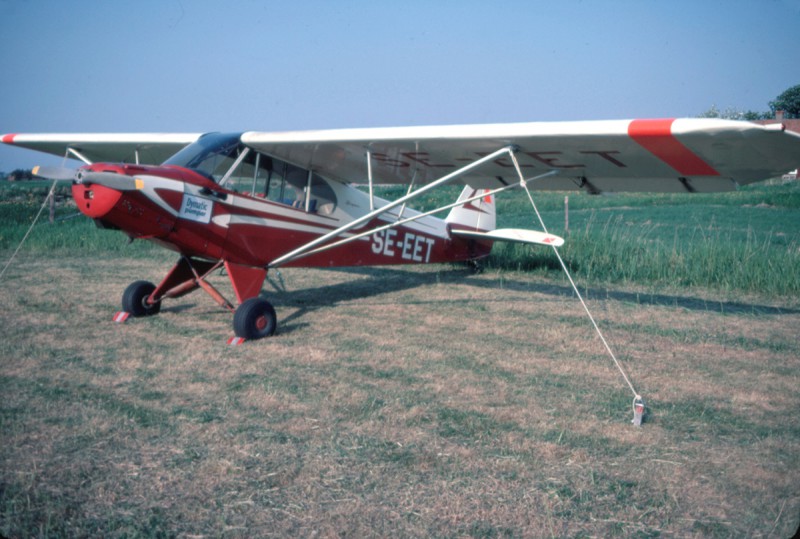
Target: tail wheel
134	299
255	318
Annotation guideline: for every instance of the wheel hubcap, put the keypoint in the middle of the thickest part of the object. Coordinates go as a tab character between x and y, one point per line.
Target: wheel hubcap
261	323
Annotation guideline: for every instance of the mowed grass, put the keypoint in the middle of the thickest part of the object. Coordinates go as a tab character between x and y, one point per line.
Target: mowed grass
425	401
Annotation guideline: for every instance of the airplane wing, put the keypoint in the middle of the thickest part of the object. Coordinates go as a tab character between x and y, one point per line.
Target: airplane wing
669	155
144	148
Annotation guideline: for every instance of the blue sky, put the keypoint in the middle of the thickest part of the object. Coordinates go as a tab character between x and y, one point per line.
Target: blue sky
183	65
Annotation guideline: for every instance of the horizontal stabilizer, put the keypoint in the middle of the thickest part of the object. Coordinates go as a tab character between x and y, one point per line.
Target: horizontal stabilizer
516	235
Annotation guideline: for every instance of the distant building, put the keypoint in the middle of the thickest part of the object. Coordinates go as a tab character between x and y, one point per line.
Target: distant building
790	124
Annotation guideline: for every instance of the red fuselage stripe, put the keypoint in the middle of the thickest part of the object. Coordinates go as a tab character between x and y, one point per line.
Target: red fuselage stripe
656	137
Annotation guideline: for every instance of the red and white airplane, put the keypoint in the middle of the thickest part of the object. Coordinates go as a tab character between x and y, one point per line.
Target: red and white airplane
253	201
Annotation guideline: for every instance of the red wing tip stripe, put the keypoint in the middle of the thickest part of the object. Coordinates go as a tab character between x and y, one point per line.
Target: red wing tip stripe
661	127
656	137
9	139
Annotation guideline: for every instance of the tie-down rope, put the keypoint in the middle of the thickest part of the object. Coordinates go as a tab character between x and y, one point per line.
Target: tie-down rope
636	397
25	237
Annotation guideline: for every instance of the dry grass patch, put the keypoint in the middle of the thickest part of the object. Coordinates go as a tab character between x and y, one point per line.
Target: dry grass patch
415	402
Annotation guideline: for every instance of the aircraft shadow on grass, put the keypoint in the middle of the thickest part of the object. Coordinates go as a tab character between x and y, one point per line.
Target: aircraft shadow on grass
381	281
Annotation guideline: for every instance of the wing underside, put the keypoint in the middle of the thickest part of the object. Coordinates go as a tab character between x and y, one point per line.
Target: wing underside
142	148
695	155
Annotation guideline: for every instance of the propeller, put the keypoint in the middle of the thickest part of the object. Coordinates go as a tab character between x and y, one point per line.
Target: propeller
112	180
54	173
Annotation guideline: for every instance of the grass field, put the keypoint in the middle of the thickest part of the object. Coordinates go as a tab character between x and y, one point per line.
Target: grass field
422	401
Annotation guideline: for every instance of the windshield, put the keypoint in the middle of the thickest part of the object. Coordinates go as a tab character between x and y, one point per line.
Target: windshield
211	155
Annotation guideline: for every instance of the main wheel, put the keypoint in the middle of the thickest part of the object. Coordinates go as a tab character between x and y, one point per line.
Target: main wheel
134	299
255	318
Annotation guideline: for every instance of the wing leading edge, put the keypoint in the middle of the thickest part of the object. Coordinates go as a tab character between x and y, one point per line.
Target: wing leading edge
669	155
144	148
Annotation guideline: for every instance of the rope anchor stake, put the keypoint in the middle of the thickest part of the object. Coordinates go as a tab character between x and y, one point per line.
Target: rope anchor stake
638	411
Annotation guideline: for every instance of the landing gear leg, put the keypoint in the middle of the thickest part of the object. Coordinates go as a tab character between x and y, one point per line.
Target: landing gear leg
475	266
255	317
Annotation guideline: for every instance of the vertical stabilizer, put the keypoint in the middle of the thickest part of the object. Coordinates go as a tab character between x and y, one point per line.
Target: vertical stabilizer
478	215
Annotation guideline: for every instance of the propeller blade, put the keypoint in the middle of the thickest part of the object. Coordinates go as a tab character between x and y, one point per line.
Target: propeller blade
54	173
120	182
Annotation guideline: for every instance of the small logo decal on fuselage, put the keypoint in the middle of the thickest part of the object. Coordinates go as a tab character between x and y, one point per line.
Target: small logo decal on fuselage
196	209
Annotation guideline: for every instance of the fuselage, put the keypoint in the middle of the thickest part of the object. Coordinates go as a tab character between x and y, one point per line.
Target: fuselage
255	217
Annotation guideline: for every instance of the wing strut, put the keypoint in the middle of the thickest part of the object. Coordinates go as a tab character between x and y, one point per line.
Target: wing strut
498	235
79	155
369	178
402	200
410	188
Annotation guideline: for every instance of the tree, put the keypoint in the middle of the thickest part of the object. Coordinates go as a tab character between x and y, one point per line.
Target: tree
19	175
731	113
788	102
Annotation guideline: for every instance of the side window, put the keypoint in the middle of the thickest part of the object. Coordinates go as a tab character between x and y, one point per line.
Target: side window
296	180
241	181
276	172
278	190
263	176
260	176
322	198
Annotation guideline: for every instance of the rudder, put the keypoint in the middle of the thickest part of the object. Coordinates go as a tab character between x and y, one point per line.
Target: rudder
478	215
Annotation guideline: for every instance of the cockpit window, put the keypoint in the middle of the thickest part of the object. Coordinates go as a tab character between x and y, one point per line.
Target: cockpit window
224	159
212	154
262	176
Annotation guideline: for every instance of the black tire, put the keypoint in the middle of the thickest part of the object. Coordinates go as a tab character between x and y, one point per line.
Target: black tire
255	319
134	299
